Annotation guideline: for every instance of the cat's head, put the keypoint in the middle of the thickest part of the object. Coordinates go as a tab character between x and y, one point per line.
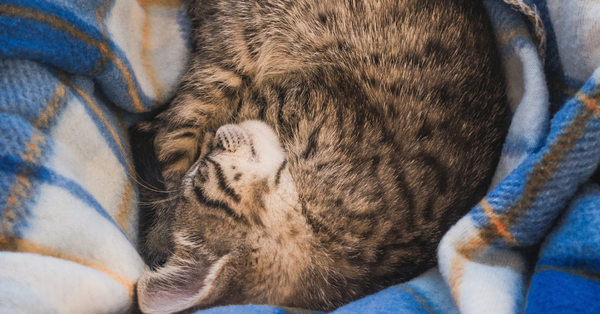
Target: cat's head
239	234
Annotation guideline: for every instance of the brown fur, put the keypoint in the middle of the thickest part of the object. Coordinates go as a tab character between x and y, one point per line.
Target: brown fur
381	125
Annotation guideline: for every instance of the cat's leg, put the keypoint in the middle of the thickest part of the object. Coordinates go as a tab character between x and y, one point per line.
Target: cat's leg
208	98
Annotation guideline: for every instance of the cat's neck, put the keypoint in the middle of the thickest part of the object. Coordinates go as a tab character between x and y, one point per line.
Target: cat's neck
290	255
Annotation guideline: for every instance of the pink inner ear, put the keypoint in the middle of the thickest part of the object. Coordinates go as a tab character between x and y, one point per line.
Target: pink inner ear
175	287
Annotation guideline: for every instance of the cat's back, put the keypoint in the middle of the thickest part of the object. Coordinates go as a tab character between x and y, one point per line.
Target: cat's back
272	38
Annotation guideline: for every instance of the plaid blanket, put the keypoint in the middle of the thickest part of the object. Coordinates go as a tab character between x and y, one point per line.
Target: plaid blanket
75	73
72	73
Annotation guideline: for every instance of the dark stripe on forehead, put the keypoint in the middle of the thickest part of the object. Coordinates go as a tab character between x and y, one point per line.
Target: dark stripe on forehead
222	182
202	176
279	171
201	198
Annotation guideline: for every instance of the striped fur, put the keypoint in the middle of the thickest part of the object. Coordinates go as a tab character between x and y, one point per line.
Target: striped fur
377	125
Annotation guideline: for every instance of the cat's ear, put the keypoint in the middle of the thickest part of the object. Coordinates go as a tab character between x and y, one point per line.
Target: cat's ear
183	283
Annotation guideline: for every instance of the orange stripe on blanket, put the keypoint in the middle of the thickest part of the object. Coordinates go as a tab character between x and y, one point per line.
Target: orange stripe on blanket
125	206
63	76
505	38
161	3
495	221
52	107
539	176
592	104
80	35
19	191
12	244
100	15
471	247
494	228
147	57
466	249
33	152
457	269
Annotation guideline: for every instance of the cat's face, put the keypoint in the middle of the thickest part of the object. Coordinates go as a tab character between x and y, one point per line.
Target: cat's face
241	168
238	219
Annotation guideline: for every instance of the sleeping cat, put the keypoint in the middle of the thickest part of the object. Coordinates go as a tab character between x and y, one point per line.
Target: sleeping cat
317	150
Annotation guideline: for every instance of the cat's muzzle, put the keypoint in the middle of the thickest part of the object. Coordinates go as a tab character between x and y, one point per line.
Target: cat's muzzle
228	138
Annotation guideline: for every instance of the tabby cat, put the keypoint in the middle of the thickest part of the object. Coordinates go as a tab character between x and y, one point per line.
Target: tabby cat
317	150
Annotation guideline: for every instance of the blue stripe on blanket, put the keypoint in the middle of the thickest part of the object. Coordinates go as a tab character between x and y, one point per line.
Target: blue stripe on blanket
21	146
14	217
12	165
15	134
42	31
79	13
575	161
66	36
117	82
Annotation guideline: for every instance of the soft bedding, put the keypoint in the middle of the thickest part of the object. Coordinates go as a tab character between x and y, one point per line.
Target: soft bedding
74	74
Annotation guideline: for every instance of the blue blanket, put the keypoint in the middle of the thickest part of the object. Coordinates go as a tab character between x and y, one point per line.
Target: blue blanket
75	73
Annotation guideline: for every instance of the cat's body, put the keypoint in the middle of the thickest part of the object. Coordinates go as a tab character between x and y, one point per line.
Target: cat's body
382	123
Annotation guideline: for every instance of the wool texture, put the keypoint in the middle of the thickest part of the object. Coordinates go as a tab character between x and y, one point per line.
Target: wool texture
72	73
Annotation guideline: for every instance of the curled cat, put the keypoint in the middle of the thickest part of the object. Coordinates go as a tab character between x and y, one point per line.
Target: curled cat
317	150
